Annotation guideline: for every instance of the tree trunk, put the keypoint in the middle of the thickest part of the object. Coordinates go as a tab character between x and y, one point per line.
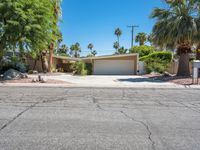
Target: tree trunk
35	63
183	68
51	57
198	52
44	62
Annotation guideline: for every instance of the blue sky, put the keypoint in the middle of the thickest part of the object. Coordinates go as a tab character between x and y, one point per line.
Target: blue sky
94	21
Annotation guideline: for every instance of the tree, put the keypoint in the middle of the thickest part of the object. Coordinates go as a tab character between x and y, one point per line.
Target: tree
141	38
92	52
75	50
118	33
121	50
56	9
63	50
116	46
90	46
25	25
177	25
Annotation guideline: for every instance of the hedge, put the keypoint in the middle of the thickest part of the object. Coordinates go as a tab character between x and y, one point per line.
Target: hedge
157	61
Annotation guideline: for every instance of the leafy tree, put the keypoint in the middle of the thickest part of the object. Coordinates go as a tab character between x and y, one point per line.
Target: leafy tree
25	25
142	50
75	50
141	38
116	46
177	26
118	33
121	50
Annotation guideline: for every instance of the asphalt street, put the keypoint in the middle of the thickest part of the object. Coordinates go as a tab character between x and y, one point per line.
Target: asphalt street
99	119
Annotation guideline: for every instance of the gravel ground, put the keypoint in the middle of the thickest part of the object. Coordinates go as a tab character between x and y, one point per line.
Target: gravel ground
29	80
175	79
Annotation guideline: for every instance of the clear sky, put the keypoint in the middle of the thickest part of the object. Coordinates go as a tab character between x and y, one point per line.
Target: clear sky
94	21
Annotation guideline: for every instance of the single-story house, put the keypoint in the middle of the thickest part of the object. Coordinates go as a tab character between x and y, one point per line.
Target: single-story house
126	64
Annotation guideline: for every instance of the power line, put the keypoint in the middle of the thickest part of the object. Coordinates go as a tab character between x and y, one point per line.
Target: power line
132	32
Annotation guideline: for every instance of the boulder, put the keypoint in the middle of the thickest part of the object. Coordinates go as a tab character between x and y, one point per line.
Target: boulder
12	74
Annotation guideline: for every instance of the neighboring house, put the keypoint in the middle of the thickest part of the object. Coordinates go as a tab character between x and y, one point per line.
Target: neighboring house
126	64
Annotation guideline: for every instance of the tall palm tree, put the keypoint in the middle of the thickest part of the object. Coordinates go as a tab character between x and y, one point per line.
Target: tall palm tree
75	50
92	52
176	26
55	33
118	33
116	46
90	46
141	38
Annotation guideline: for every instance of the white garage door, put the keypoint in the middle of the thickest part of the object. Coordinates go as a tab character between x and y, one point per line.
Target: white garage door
113	67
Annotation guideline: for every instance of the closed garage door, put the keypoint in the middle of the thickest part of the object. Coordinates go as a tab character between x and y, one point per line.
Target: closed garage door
113	67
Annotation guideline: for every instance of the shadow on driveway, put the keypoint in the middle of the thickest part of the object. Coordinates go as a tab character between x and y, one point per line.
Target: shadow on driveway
141	80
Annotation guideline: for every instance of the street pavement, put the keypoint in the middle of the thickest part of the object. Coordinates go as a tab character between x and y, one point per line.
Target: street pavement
39	118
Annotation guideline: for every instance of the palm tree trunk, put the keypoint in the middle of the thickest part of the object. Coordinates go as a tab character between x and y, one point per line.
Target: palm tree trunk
183	67
198	52
51	56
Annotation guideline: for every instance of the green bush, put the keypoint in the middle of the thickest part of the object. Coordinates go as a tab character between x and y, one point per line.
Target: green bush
142	50
89	68
157	61
13	63
79	68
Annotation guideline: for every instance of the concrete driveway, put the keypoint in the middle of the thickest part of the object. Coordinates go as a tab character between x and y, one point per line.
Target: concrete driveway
99	119
109	81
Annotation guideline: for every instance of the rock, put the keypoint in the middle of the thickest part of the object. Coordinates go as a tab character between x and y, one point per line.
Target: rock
39	77
35	72
12	74
167	74
34	80
43	80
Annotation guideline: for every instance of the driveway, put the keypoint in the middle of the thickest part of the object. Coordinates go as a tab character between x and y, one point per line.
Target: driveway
109	81
99	119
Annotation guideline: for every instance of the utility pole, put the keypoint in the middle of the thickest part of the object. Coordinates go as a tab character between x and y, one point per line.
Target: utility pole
132	31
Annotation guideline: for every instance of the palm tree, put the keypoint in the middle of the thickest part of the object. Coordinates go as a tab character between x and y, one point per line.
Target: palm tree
92	52
63	50
118	33
176	26
116	46
141	38
90	46
121	50
75	50
55	35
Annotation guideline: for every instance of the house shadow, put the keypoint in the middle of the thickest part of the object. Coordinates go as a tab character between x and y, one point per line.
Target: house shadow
151	80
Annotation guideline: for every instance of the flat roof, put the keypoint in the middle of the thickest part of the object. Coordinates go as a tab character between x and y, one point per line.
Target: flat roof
95	57
111	56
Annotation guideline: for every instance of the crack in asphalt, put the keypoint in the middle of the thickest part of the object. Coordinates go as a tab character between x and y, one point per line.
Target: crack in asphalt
18	115
145	125
188	107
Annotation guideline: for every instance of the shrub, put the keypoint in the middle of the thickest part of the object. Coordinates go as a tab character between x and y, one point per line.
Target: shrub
89	69
142	50
13	63
157	61
79	68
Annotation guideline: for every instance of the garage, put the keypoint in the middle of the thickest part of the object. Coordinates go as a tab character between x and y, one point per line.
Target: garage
115	65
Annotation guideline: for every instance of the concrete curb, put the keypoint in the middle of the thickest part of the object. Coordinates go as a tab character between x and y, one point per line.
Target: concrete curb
98	86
